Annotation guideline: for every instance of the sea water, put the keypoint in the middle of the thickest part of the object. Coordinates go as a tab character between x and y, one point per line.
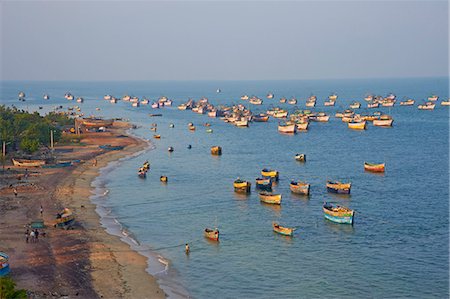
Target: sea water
397	247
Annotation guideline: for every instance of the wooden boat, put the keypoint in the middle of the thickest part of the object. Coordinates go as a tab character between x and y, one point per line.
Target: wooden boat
109	147
241	123
273	174
260	117
157	136
292	101
433	98
299	188
96	122
146	166
300	157
80	100
408	102
142	173
270	95
310	103
333	97
163	179
302	126
64	218
4	264
170	149
329	103
191	128
373	105
241	186
374	167
287	128
244	97
27	163
280	114
285	231
256	101
58	165
283	100
355	105
383	121
427	106
445	103
357	125
270	198
264	184
216	150
338	187
46	97
212	234
338	214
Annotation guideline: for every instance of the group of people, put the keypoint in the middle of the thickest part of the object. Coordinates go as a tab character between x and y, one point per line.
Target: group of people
32	236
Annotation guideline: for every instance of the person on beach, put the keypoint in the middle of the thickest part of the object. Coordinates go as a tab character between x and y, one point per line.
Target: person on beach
15	192
36	234
187	248
27	235
94	163
32	236
41	210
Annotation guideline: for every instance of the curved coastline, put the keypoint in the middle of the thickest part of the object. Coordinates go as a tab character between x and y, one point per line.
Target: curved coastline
157	265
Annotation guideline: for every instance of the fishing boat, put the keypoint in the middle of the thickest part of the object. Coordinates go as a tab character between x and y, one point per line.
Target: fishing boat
80	100
329	103
256	101
262	117
163	179
170	149
374	167
292	101
320	117
109	147
338	214
157	136
270	95
216	150
302	126
242	122
433	98
64	218
4	264
126	98
283	100
155	105
145	102
264	184
384	121
408	102
46	97
135	104
357	125
445	103
310	103
107	97
113	101
338	187
355	105
287	128
285	231
212	234
270	198
142	173
300	157
146	166
332	97
27	163
280	114
68	96
241	186
299	187
21	95
273	174
244	97
427	106
373	104
191	128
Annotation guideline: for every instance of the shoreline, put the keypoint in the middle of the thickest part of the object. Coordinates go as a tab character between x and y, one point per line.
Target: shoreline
85	261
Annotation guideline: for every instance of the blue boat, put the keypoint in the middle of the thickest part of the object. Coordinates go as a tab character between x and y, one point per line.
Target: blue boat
109	147
338	214
58	165
264	184
4	264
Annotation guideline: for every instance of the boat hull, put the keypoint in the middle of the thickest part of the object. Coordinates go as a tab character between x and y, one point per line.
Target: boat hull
211	234
285	231
28	163
339	219
274	199
374	167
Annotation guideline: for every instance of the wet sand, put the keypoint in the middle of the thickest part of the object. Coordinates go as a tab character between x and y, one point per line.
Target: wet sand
83	262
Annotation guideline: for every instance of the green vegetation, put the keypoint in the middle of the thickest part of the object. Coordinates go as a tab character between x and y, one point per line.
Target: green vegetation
8	289
29	131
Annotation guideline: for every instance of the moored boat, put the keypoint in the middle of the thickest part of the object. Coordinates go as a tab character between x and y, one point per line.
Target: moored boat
302	126
299	187
338	187
27	163
216	150
357	125
273	174
433	98
383	121
241	186
287	128
427	106
46	97
211	233
260	117
355	105
285	231
374	167
408	102
338	214
264	184
300	157
270	198
445	103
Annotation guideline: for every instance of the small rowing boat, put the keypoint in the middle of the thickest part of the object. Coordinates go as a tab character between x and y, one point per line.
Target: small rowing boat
285	231
300	157
338	187
374	167
241	186
299	188
216	150
270	198
212	234
338	214
27	163
264	184
273	174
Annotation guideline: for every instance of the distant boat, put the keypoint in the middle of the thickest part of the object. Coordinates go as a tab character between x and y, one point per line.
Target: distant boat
107	97
80	100
302	126
170	149
270	95
408	102
310	103
145	101
209	130
427	106
287	127
212	234
241	186
333	97
283	100
244	97
135	104
273	174
292	101
155	105
27	163
286	231
21	95
383	121
218	90
445	103
260	117
264	184
357	125
46	97
69	96
329	103
373	104
374	167
299	187
163	179
270	198
157	136
338	214
142	173
355	105
64	218
300	157
255	101
338	187
216	150
433	98
243	122
4	264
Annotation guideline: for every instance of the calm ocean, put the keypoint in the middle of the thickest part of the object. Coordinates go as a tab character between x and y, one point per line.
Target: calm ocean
398	246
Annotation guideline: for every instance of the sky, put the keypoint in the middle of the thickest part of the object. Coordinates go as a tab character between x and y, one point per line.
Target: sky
222	40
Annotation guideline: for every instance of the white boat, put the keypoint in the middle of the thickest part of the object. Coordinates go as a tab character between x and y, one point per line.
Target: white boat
427	106
168	103
302	126
241	122
270	95
287	128
383	121
329	103
126	98
107	97
68	96
445	103
292	101
256	101
155	105
113	100
145	102
433	98
134	99
21	95
310	103
280	114
46	97
80	100
355	105
244	97
135	104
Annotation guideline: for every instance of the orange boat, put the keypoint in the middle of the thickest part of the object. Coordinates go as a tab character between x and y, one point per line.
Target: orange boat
374	167
212	234
285	231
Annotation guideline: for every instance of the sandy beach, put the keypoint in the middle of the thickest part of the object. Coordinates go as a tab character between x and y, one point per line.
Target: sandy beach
85	261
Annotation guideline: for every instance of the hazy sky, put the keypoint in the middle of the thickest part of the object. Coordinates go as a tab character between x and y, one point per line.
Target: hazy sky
197	40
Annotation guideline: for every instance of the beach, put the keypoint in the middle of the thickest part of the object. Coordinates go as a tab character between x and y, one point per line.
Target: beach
84	261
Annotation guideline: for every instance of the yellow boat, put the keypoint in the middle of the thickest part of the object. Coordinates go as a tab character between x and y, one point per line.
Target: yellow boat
270	198
216	150
157	136
270	173
242	186
286	231
163	179
357	125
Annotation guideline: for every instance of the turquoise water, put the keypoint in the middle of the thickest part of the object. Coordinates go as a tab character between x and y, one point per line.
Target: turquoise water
398	246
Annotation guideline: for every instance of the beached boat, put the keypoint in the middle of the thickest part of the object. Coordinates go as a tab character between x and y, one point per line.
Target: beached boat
241	186
4	264
27	163
299	187
270	198
273	174
338	214
357	125
408	102
338	187
374	167
285	231
109	147
260	117
58	165
264	184
96	122
64	218
287	128
212	234
216	150
383	121
300	157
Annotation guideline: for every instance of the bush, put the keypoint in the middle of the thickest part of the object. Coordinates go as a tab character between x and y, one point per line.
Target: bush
8	289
